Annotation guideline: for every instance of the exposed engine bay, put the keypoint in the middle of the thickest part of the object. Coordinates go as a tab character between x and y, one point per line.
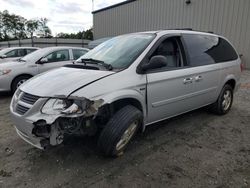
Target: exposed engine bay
77	117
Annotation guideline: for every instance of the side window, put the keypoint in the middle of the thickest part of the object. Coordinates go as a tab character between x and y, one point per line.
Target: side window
170	48
12	53
206	50
28	51
61	55
78	53
21	53
223	52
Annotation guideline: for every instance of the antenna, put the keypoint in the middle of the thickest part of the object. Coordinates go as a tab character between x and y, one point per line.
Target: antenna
93	5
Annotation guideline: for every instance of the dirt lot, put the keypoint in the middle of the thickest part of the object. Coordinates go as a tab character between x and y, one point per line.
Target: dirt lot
197	149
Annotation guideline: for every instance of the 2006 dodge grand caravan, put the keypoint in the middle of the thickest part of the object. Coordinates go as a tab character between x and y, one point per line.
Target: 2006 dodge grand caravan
125	84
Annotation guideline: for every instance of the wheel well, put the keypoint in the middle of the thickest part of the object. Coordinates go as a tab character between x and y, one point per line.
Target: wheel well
29	75
124	102
232	83
108	110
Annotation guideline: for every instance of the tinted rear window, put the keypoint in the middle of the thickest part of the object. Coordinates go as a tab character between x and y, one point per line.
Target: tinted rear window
205	50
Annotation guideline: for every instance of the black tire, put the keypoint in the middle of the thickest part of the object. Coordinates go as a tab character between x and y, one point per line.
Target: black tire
218	107
116	128
17	80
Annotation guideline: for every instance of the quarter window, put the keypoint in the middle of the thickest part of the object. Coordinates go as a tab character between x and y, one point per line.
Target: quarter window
61	55
206	50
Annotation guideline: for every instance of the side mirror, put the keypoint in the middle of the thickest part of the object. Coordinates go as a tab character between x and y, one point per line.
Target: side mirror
155	62
3	56
43	60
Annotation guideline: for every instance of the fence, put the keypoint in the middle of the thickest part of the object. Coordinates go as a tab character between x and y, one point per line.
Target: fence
45	42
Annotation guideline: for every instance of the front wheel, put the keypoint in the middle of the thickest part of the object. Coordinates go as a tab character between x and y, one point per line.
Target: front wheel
18	82
119	131
224	102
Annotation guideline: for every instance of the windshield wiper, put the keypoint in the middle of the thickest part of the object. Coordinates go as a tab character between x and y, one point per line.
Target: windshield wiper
97	62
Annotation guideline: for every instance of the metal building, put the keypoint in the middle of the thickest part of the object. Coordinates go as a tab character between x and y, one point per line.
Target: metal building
230	18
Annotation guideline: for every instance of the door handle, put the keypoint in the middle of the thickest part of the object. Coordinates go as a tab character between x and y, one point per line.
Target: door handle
198	78
188	80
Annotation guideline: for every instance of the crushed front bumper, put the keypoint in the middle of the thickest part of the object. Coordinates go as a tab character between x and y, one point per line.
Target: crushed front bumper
24	129
43	130
34	141
24	123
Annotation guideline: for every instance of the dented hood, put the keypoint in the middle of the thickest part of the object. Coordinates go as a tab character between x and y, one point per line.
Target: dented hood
62	81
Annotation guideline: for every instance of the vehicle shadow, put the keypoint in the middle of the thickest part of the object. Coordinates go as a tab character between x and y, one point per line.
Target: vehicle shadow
78	148
4	95
80	154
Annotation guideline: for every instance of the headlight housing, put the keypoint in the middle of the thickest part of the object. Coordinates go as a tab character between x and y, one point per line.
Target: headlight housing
5	71
62	106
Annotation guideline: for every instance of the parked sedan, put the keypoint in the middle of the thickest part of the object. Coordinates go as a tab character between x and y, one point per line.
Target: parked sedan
15	73
13	53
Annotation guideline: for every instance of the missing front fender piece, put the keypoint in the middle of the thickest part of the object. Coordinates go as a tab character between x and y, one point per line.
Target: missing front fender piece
41	129
53	128
79	125
70	125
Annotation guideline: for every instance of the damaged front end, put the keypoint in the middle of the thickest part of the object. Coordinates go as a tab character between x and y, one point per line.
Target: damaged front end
59	117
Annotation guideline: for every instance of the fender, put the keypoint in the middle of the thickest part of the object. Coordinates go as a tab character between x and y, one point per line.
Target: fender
226	79
124	94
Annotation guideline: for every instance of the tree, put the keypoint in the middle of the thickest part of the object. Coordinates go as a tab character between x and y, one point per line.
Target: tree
1	26
44	29
31	27
20	30
17	27
12	26
79	35
6	24
88	34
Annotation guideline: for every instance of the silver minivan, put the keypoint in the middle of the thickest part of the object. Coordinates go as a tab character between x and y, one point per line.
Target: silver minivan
125	84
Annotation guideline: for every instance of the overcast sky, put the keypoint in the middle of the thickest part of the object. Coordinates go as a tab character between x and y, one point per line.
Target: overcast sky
64	15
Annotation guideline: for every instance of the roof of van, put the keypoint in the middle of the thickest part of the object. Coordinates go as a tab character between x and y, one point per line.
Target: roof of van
187	31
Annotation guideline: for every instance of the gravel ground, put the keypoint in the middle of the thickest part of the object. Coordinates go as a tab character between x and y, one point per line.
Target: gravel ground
197	149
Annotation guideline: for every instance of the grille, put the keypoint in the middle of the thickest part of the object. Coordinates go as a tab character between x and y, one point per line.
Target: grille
28	98
21	109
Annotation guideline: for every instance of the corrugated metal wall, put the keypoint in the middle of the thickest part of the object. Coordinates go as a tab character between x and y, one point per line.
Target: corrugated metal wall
230	18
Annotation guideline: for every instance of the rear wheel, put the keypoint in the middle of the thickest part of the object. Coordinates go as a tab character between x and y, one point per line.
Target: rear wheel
18	82
223	104
119	131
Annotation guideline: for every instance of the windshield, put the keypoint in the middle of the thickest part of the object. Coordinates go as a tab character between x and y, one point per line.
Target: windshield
4	51
36	55
120	51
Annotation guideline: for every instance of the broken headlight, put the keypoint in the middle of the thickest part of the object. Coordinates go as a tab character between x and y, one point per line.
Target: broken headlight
62	106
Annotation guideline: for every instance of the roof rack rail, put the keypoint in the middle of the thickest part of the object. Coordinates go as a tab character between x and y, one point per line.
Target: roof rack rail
189	29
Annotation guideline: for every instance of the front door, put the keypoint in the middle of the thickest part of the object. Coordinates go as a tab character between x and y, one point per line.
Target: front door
170	89
54	60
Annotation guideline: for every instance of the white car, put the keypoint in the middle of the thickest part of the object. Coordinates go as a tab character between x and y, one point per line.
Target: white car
13	53
15	73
